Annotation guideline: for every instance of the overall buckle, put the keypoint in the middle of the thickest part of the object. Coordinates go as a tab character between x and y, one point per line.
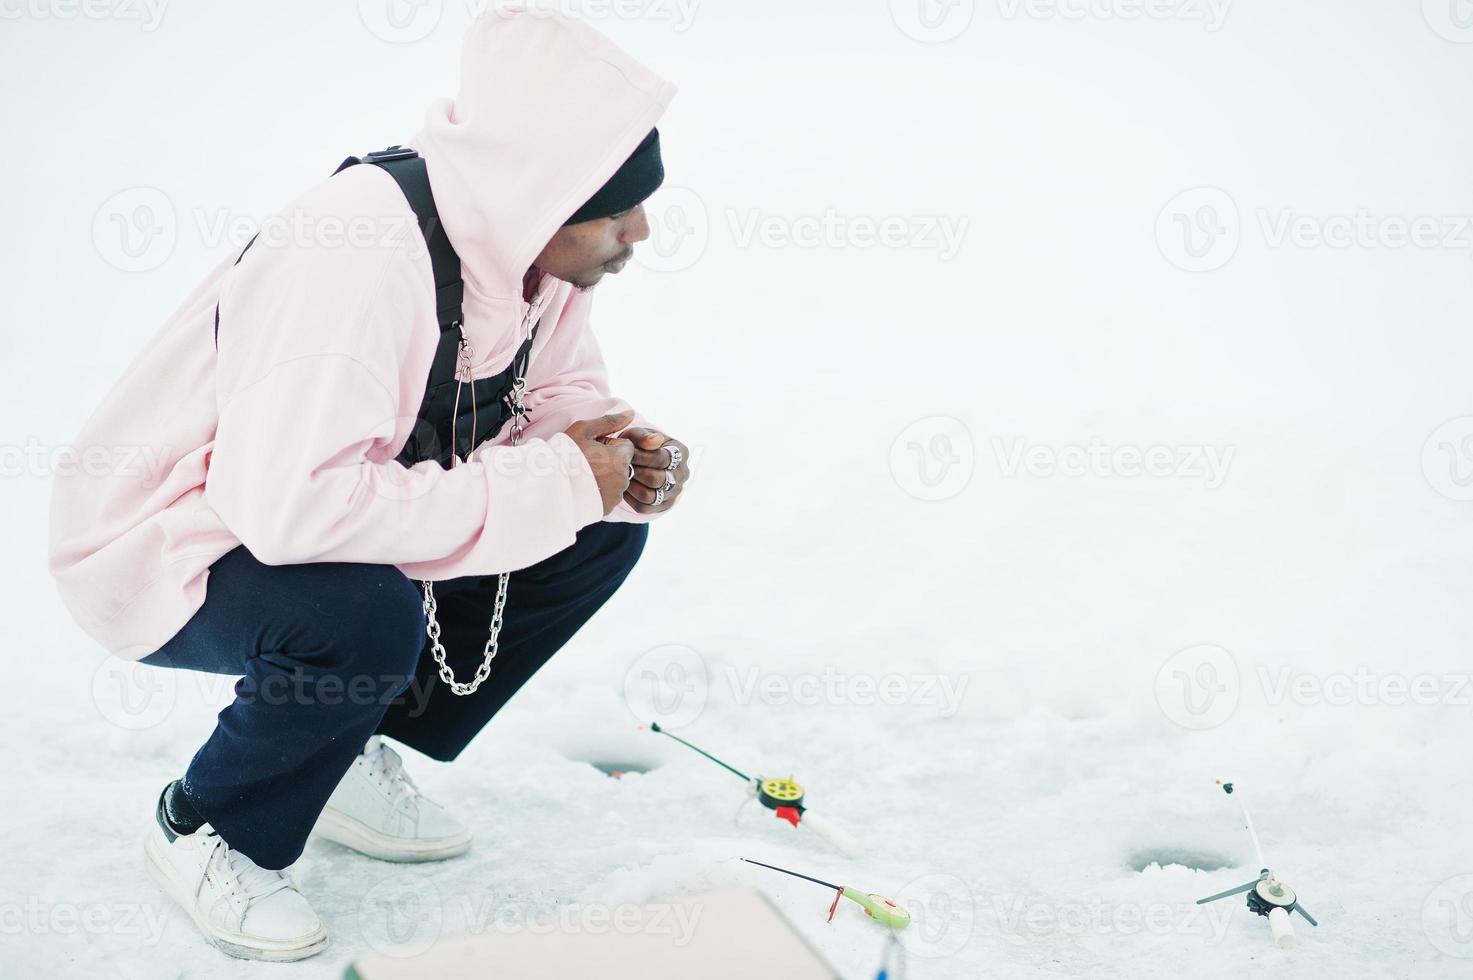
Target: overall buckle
395	152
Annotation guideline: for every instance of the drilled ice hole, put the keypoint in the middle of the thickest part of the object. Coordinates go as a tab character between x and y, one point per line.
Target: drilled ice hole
1185	857
617	768
614	752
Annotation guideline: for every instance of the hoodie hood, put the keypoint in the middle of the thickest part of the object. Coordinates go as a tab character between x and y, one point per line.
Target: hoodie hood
548	110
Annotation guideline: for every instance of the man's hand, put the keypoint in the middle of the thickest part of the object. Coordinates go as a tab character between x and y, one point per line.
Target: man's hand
608	457
652	471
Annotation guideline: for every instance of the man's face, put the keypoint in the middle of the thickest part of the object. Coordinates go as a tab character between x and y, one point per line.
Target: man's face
584	253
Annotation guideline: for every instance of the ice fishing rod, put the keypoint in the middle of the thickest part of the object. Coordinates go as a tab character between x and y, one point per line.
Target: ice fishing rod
877	907
894	959
784	797
1267	896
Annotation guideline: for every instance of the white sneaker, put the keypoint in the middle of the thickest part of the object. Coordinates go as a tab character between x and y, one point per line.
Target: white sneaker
377	810
241	908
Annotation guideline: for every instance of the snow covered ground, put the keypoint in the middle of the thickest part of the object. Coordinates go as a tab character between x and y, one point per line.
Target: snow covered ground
1136	453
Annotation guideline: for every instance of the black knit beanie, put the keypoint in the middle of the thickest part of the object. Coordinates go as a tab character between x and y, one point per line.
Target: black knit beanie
639	177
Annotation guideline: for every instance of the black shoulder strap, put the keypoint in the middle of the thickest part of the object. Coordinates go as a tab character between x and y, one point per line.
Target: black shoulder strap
217	302
408	170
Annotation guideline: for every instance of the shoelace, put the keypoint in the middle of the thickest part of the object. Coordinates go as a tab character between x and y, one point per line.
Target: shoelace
387	766
255	881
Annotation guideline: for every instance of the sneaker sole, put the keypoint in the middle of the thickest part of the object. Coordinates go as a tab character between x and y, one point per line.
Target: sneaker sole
232	944
338	827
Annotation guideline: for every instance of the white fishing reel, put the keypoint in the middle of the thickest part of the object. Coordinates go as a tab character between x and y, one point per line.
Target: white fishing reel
1267	896
1272	899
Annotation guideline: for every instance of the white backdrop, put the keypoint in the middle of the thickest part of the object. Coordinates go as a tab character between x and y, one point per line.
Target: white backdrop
1081	398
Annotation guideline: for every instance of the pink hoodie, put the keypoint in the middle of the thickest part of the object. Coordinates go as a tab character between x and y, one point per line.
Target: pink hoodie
285	439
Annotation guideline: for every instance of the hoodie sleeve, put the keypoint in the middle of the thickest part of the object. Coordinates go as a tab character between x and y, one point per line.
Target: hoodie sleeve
320	350
568	383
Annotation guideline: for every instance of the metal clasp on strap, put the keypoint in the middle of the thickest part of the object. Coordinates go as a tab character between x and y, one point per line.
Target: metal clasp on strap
395	152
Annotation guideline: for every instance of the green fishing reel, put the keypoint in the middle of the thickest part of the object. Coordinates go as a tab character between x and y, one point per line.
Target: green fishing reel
879	908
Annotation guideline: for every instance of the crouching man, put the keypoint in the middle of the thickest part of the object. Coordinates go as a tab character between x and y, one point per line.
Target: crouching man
396	481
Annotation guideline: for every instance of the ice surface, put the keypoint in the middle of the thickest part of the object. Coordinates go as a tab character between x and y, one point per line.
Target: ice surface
1036	796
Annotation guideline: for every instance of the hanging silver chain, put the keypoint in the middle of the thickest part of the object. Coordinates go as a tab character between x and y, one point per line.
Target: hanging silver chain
432	625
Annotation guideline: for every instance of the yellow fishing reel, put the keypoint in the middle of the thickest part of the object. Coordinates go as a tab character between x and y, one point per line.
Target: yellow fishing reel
784	797
777	793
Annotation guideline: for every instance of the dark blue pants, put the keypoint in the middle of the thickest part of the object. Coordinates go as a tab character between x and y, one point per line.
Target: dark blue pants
334	652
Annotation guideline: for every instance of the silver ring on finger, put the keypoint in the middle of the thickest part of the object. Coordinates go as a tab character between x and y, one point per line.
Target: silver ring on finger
659	496
669	480
675	455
